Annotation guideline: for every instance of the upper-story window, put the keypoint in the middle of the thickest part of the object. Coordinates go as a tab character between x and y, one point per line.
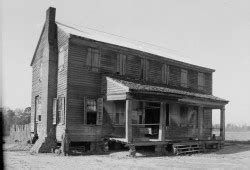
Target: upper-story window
61	56
93	59
184	80
144	69
165	73
201	81
121	64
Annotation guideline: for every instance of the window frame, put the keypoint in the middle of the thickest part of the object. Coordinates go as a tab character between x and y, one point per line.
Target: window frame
91	111
38	108
92	63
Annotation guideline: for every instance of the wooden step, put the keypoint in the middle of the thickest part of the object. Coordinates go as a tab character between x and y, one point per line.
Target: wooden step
187	148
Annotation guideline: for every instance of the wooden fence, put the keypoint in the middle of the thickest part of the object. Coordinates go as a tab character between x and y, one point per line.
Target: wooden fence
20	133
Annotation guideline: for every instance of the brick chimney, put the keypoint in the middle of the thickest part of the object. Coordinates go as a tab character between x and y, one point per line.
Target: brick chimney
51	14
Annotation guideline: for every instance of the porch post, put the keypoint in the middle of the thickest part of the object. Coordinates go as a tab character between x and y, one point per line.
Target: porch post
162	127
128	121
222	123
200	122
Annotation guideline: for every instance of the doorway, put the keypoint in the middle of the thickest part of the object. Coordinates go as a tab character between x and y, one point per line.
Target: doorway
152	118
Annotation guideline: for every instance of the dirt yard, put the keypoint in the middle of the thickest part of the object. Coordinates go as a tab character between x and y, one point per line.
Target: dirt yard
234	156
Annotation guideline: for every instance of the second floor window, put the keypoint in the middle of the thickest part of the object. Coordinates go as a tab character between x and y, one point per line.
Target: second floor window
201	81
93	59
184	82
121	64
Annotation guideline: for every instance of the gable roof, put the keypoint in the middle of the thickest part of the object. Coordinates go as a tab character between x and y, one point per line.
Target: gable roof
134	86
128	43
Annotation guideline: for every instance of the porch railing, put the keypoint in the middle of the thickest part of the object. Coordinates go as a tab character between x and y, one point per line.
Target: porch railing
145	131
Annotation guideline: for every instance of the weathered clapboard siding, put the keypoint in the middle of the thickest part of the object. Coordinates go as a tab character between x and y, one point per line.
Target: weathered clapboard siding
155	72
36	83
133	67
62	72
81	132
81	83
174	76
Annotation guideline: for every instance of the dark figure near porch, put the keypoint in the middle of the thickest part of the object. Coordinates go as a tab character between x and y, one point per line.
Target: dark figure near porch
65	143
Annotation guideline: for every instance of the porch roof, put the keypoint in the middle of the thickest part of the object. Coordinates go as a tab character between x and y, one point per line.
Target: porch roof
115	85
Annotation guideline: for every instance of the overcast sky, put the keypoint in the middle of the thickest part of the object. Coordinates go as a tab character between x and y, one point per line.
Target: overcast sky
211	33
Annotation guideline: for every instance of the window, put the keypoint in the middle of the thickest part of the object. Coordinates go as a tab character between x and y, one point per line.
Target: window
62	53
121	64
38	108
91	111
61	109
165	73
184	78
200	81
93	59
144	69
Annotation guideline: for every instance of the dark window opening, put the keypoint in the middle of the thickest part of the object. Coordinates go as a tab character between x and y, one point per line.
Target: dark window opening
91	118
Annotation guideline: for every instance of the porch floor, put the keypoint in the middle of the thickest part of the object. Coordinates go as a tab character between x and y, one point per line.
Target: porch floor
153	142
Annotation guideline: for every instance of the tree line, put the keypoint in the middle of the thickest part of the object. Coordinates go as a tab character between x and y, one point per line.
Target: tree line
230	127
15	117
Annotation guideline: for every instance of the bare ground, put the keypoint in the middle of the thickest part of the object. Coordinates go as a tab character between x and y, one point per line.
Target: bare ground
233	156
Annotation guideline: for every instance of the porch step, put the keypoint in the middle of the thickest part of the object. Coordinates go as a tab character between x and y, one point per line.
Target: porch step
187	148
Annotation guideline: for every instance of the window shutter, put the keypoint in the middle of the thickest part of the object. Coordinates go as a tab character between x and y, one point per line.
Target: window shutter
88	60
183	78
200	81
99	116
54	111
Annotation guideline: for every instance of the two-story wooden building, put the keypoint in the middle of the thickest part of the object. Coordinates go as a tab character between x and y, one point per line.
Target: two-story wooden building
107	87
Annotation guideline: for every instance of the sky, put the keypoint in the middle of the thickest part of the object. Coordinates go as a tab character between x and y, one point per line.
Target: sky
214	34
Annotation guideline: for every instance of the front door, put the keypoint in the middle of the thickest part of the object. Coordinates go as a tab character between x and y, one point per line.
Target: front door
152	118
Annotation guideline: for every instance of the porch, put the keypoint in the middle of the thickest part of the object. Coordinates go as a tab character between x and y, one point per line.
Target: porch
158	116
